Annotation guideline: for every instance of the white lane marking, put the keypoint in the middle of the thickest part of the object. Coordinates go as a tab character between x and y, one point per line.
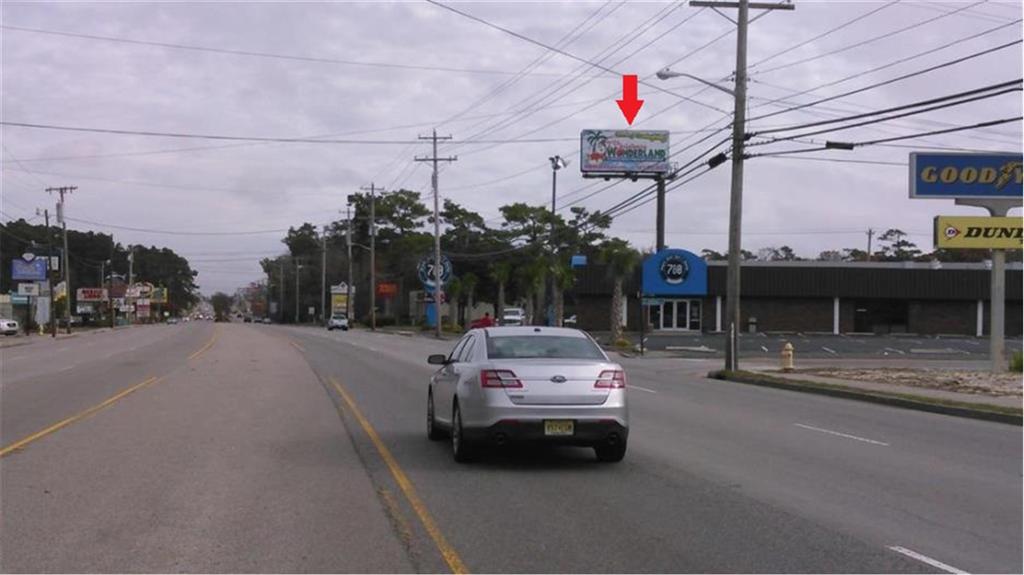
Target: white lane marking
895	351
764	349
829	349
846	435
926	559
634	386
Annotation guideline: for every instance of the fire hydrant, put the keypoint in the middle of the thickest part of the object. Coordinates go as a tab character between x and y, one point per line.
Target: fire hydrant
787	357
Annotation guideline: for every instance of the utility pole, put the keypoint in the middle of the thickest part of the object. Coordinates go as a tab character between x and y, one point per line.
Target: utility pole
323	275
871	234
298	268
49	270
373	255
739	137
281	304
67	273
437	226
348	244
131	279
557	163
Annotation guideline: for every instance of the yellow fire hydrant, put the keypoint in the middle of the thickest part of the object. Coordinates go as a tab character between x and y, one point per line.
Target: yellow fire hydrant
787	357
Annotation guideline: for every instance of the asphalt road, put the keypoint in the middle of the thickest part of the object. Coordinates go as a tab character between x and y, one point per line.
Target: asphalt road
294	449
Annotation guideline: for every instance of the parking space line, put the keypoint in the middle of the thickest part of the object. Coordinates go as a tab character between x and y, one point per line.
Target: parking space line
635	386
828	349
925	559
846	435
448	552
895	351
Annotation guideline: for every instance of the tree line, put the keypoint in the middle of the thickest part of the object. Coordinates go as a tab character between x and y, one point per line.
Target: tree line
92	253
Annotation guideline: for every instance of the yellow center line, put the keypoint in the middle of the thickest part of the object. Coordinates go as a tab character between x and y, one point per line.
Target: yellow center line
81	415
208	345
448	552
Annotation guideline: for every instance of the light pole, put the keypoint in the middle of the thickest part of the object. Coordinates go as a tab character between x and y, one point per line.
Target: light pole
348	243
557	163
323	275
298	268
732	284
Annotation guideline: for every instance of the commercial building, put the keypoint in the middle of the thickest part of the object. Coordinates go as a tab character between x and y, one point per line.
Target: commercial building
812	296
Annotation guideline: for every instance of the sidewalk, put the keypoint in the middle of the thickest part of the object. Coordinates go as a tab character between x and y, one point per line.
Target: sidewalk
22	339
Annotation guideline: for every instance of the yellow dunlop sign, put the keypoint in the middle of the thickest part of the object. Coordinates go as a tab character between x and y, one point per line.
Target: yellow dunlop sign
971	232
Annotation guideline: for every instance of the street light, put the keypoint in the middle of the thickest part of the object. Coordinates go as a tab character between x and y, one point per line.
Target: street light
557	163
665	74
732	284
298	268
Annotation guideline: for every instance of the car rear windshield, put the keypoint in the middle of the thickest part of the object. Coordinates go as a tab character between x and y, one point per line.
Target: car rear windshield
542	346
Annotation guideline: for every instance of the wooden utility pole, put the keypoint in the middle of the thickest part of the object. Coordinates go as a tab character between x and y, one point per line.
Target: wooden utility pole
732	285
67	272
437	226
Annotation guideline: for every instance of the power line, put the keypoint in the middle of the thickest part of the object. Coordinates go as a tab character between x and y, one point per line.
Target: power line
250	53
896	63
867	41
177	232
887	82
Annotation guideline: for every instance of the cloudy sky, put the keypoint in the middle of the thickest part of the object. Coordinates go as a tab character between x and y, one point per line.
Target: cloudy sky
380	74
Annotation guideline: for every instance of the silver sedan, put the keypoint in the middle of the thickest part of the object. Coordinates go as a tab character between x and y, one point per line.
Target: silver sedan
543	384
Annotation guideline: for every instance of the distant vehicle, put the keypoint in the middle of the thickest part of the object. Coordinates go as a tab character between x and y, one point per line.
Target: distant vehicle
75	320
531	384
172	321
186	319
8	326
513	316
338	321
247	319
267	321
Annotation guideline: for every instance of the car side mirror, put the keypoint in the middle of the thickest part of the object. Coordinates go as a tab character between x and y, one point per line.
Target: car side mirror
437	359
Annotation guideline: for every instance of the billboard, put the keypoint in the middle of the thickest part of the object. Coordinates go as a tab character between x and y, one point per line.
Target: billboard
339	302
387	289
28	270
159	295
91	294
972	232
624	152
958	176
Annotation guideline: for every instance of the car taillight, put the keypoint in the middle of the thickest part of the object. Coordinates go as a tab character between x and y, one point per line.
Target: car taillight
499	378
611	379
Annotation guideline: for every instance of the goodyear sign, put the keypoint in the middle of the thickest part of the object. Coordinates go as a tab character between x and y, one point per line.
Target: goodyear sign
978	232
979	176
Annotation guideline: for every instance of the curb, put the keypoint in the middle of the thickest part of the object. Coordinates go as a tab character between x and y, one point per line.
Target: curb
918	403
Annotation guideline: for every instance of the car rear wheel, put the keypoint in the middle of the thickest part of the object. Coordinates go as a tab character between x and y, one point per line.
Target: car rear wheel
610	453
461	449
433	433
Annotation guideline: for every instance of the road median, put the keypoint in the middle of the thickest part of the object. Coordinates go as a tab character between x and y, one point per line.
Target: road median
974	410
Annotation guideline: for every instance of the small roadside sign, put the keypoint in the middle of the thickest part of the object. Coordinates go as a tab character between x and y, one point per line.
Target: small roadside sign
649	301
28	289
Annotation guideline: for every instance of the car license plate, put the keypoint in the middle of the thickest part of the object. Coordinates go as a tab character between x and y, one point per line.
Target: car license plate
558	427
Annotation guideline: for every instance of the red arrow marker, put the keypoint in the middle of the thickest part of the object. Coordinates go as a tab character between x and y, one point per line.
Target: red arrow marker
629	104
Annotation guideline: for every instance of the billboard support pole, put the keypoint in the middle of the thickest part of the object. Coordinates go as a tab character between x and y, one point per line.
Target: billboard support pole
660	240
997	294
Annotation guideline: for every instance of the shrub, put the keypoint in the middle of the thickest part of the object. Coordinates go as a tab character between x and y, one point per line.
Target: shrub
622	343
1017	362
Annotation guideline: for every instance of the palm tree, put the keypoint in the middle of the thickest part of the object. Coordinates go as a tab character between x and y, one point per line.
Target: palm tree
469	282
562	279
621	260
500	273
454	292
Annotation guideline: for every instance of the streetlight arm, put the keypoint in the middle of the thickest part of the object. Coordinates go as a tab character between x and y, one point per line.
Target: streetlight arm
665	74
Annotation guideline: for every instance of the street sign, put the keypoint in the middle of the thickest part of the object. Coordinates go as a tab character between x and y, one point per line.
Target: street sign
19	299
28	270
311	310
632	152
91	294
425	270
971	232
28	289
966	176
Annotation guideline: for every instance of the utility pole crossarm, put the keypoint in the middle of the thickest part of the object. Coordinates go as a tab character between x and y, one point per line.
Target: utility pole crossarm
751	5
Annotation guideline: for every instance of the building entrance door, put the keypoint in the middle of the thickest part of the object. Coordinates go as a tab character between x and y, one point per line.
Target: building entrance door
679	314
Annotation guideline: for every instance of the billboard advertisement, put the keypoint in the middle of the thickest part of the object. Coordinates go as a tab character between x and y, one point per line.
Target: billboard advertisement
28	270
960	176
91	294
972	232
339	303
624	152
159	295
